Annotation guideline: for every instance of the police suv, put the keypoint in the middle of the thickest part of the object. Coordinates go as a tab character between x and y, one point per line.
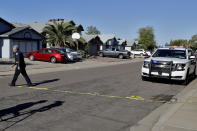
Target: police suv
171	63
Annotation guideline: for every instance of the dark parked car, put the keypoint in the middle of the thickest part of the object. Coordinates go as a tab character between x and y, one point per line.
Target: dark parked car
47	54
115	53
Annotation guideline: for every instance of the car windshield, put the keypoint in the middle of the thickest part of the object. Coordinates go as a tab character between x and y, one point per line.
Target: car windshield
64	50
67	50
59	50
170	53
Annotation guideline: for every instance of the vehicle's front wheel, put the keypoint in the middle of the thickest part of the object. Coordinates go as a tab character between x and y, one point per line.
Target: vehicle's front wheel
31	57
101	55
194	73
120	56
144	78
186	81
53	60
129	55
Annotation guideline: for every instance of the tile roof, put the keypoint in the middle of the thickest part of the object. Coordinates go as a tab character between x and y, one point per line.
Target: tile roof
14	30
105	37
131	42
18	24
89	37
39	26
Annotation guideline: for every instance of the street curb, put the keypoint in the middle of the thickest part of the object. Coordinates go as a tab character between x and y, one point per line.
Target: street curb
155	120
55	69
182	96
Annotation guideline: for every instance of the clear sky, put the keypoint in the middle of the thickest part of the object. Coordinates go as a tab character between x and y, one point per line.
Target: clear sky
171	19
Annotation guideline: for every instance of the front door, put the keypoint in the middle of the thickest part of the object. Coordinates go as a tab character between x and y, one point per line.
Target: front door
112	52
47	54
39	55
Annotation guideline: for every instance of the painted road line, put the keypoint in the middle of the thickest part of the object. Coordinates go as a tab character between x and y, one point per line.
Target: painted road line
135	98
33	87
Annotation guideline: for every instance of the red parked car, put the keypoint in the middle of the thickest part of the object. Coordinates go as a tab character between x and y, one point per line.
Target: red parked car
46	54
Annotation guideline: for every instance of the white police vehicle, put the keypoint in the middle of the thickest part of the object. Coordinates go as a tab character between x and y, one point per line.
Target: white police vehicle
171	63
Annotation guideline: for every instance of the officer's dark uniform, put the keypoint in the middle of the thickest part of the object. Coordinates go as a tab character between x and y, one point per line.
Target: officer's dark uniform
19	62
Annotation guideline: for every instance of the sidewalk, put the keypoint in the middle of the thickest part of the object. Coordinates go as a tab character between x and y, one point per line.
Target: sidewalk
179	116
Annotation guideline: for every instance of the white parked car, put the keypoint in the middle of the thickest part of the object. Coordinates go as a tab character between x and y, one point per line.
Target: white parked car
72	54
140	52
170	63
148	53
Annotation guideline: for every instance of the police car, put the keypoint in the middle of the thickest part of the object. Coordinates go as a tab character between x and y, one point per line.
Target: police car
170	63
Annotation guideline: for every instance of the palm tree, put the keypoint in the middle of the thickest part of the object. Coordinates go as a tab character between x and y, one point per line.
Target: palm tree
59	34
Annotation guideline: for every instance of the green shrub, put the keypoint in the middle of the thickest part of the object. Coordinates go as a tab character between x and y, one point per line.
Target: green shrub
84	53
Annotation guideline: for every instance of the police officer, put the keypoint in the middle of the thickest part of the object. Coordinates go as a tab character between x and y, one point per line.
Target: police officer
20	67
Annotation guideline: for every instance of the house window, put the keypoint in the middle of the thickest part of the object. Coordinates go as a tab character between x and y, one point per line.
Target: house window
27	35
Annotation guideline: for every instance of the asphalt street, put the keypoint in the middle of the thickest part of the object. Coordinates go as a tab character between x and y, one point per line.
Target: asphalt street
95	99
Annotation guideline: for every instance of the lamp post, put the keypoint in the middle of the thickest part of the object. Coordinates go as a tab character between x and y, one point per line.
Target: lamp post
75	37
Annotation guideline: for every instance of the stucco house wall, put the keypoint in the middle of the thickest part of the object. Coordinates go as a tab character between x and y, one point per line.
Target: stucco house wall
1	44
94	46
128	48
6	48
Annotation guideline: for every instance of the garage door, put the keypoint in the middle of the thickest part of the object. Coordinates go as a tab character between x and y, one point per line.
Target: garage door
26	46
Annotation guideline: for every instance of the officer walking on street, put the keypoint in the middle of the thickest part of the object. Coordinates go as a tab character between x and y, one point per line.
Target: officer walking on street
20	67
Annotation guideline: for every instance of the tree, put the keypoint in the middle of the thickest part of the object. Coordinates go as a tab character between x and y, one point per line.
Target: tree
147	38
193	41
179	42
92	30
167	44
59	34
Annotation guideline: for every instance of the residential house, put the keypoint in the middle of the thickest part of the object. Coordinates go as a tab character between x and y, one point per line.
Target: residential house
131	45
108	40
121	44
94	44
24	36
39	26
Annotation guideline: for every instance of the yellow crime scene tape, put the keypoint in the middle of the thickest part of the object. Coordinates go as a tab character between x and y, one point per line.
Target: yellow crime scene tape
136	98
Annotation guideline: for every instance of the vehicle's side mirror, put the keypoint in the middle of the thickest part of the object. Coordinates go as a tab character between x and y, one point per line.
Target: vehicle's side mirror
192	57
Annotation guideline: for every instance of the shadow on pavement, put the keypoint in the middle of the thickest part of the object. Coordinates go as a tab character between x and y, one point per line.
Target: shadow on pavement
45	81
16	111
167	81
40	83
